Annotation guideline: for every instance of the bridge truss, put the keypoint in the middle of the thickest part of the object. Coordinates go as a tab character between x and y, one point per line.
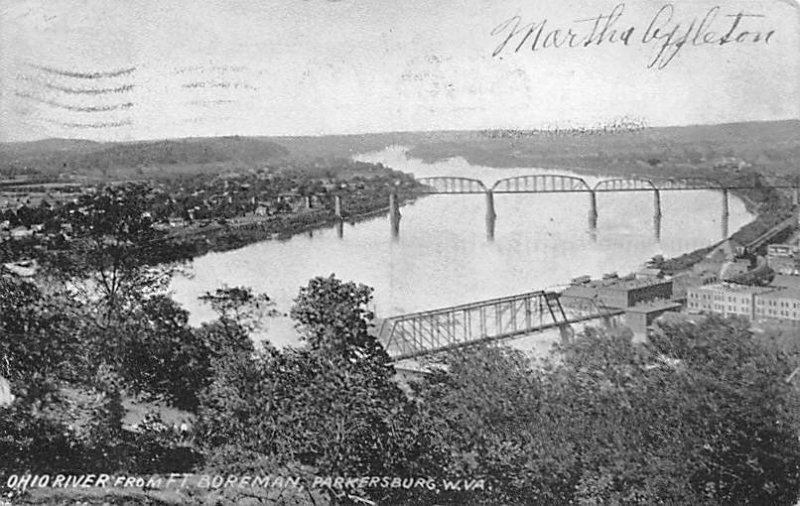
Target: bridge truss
554	183
625	184
452	185
541	183
428	332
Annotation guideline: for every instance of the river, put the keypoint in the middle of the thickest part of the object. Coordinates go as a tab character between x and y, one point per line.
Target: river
443	257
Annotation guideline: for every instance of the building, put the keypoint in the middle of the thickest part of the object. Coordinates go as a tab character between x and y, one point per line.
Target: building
781	250
779	305
783	265
640	317
683	281
727	299
783	258
733	269
619	293
649	272
21	232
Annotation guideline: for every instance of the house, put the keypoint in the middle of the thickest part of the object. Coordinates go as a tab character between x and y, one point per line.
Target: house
21	232
649	272
24	269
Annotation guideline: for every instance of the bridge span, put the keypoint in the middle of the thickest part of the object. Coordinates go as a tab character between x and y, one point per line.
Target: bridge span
556	183
428	332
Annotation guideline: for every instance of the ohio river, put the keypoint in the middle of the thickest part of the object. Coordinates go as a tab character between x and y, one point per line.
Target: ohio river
443	257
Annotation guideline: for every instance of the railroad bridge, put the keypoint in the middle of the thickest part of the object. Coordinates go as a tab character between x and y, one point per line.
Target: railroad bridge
428	332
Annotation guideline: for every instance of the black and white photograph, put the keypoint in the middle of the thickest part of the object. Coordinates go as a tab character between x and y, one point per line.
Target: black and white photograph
411	252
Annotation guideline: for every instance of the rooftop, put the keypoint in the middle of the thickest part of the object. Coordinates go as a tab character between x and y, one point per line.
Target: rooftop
654	306
734	288
627	284
786	281
783	293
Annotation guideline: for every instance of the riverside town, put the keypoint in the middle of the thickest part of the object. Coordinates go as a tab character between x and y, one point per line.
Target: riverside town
380	266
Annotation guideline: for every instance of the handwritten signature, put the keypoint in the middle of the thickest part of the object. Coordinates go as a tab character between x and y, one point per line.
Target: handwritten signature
667	34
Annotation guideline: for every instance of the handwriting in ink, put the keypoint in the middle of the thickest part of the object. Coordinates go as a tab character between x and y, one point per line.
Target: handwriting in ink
667	34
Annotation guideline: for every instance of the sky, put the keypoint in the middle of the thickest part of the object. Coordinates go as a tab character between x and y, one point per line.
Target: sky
145	69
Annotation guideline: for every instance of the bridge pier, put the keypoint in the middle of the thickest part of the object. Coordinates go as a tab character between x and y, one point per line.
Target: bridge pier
337	206
796	201
567	333
609	322
725	210
657	227
491	216
657	204
592	210
394	215
725	213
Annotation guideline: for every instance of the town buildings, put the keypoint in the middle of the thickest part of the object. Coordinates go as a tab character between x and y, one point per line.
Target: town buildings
777	303
727	299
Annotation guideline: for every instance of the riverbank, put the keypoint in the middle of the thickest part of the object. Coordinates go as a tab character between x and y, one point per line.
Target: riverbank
237	233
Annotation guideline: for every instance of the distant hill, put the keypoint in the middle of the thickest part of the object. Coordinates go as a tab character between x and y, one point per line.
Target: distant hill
85	157
772	146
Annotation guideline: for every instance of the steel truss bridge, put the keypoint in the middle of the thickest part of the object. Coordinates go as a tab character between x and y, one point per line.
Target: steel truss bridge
428	332
554	183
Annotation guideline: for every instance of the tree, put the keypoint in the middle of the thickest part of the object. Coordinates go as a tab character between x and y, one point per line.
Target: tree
333	318
117	248
332	406
39	334
238	307
702	415
162	356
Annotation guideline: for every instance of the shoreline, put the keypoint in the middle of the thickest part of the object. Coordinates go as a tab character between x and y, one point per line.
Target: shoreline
231	237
